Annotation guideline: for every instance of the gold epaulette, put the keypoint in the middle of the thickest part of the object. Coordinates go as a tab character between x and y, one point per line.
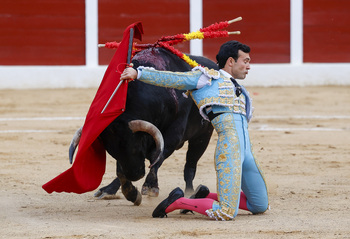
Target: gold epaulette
211	73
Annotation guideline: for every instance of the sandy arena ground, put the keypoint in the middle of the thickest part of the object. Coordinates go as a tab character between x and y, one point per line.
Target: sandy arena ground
301	137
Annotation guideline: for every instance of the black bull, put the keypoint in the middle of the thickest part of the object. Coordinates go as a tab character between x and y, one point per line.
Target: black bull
176	117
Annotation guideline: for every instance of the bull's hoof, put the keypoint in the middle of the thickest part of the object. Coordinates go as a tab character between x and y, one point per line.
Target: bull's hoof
110	191
138	200
98	193
107	196
152	192
189	192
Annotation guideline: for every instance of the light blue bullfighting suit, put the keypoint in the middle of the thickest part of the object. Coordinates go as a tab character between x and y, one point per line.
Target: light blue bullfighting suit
214	94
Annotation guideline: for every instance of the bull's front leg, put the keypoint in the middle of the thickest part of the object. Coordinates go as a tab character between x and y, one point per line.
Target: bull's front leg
109	192
130	191
150	187
172	138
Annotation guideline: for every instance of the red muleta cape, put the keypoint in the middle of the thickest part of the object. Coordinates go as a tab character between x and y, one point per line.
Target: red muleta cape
90	162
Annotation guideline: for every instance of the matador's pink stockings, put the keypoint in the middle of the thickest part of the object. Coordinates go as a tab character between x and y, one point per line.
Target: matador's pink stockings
200	205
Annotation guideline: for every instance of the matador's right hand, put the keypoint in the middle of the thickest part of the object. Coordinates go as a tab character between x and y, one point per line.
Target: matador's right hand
129	74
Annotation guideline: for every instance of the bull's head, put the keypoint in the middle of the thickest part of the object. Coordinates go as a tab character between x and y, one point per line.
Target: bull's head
134	167
144	126
134	148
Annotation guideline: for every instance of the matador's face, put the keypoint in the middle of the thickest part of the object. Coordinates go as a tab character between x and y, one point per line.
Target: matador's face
239	69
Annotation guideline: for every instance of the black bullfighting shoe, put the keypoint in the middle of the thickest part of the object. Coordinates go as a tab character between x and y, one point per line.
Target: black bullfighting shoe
200	192
173	196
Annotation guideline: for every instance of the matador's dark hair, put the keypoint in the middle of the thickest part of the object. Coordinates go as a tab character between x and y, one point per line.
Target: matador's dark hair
230	49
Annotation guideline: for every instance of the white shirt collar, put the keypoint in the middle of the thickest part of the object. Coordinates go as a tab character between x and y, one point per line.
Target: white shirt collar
225	73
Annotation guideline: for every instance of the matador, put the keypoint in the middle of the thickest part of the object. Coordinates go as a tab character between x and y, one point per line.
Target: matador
220	99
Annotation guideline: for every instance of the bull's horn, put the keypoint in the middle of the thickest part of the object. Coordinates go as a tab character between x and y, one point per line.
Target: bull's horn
74	144
145	126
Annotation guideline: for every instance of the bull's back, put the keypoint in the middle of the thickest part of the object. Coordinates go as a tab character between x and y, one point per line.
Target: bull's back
158	98
161	106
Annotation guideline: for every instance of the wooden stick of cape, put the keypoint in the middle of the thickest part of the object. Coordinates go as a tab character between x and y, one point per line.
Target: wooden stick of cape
128	63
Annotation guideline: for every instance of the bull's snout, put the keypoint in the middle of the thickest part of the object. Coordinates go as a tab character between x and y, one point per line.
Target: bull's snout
135	174
133	167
